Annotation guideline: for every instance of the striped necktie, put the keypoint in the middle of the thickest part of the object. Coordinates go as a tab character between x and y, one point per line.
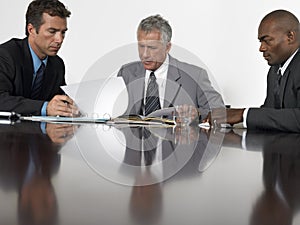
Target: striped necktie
37	84
152	95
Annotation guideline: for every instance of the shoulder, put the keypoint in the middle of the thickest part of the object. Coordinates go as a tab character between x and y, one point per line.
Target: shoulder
132	66
131	69
184	66
56	61
13	47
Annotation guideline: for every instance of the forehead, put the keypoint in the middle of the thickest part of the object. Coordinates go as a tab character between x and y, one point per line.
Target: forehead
54	21
153	35
269	28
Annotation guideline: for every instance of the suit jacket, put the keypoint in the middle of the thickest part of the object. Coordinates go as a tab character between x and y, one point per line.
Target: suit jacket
186	84
288	117
16	75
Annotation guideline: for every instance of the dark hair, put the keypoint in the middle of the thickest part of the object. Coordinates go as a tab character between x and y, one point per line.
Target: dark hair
36	8
285	19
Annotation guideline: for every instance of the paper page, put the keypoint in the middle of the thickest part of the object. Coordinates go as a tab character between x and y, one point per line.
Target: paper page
99	98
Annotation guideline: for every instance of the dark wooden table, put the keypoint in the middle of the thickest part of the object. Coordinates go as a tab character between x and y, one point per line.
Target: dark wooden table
98	174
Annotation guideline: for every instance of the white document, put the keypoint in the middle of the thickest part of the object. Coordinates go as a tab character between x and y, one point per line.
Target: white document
101	98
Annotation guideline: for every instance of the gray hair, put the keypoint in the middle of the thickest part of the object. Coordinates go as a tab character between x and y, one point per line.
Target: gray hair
157	22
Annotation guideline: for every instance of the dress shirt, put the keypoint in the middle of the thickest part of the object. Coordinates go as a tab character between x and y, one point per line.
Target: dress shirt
161	79
282	69
36	65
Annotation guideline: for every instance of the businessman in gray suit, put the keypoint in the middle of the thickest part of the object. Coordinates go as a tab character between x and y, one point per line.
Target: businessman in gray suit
178	83
278	33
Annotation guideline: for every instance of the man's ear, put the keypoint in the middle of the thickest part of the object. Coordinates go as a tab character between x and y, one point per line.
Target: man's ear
291	37
31	29
169	45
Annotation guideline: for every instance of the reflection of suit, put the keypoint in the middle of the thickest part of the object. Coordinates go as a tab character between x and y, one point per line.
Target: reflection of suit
288	117
281	164
186	84
16	74
180	158
18	143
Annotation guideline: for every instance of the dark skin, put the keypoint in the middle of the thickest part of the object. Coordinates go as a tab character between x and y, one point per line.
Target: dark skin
278	38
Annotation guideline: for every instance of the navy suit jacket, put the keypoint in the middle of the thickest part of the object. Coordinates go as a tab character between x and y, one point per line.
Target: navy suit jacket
16	75
288	117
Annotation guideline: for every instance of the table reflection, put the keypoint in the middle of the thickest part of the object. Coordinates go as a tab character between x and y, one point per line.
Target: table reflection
279	201
28	159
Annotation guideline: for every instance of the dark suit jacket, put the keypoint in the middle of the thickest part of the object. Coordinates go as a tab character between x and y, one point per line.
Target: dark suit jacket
186	84
288	117
16	74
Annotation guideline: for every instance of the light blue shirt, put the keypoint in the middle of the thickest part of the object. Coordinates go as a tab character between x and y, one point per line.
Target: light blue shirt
36	65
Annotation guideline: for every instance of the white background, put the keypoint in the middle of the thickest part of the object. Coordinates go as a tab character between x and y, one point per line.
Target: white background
223	34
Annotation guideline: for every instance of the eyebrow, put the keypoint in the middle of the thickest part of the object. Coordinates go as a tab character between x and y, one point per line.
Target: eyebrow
263	37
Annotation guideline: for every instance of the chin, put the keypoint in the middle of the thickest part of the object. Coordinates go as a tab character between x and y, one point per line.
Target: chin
148	67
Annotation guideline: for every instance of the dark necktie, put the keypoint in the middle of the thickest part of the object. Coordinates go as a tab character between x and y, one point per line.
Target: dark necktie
150	144
277	101
37	85
152	96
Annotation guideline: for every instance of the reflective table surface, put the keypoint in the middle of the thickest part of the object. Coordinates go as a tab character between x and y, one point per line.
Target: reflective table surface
99	174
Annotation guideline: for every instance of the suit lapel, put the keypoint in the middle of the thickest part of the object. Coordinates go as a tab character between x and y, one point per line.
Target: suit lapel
290	70
138	87
172	84
27	72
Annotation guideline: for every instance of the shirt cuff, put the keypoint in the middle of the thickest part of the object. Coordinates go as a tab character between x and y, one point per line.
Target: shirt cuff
245	113
44	109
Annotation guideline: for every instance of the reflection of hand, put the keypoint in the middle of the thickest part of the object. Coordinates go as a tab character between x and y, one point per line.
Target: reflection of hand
60	133
186	135
222	115
232	139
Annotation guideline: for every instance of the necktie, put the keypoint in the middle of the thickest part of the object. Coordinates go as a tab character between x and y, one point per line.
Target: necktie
152	96
150	144
277	101
37	85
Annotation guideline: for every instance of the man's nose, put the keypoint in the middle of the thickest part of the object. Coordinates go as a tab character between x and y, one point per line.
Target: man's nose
262	47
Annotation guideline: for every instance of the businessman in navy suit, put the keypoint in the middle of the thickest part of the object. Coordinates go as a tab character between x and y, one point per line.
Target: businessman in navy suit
20	60
279	36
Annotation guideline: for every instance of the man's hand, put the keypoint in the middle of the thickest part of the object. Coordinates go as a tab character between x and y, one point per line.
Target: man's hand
188	112
223	116
62	105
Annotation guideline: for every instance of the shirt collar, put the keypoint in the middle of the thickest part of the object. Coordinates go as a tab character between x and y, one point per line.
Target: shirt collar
287	62
36	60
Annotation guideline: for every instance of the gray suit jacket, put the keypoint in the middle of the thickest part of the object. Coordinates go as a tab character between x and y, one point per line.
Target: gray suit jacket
288	117
186	84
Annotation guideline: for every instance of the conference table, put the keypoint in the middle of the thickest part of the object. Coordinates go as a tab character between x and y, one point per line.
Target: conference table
87	174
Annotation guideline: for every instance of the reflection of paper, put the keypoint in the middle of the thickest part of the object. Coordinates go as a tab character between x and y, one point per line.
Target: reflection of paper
58	119
98	98
204	125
